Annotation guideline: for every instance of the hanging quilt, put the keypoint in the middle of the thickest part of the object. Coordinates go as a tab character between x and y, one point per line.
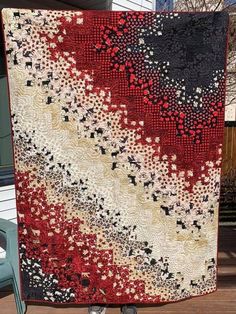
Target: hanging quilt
117	124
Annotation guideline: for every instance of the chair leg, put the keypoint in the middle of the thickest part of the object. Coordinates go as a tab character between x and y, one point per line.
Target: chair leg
20	305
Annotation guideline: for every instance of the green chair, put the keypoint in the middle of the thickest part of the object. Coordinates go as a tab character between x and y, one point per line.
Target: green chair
9	266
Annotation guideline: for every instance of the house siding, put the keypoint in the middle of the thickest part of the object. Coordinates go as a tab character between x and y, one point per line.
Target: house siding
135	5
7	206
8	203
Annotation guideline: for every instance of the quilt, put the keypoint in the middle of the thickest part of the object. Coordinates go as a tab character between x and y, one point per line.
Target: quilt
117	123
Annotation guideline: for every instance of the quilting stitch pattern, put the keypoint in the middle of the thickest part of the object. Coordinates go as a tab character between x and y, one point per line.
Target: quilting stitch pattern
117	128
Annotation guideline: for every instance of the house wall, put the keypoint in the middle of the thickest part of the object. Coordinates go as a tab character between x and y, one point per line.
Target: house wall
135	5
7	206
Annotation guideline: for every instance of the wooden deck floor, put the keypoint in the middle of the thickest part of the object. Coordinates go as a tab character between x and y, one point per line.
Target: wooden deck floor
223	301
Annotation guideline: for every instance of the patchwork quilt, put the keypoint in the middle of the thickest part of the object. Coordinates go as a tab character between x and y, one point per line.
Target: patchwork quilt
117	121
